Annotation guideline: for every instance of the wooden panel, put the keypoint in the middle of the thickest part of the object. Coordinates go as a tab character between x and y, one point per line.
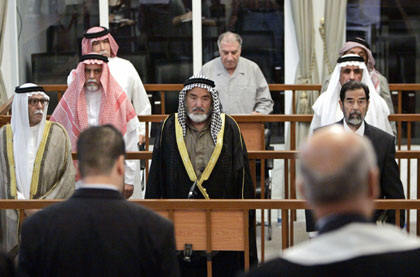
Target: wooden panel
253	134
190	227
165	214
227	230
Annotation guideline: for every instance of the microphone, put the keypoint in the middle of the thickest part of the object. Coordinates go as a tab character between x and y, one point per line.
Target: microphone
191	194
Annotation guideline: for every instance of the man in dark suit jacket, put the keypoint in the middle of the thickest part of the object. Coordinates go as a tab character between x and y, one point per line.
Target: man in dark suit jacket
354	102
339	180
97	232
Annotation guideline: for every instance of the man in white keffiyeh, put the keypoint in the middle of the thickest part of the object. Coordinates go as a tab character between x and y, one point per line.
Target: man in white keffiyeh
35	159
200	153
326	108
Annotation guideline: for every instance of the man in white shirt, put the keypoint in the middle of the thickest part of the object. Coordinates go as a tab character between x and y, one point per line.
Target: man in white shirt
99	40
241	84
355	101
95	98
97	232
35	159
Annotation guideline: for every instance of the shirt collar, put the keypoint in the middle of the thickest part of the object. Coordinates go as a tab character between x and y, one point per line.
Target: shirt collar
238	70
207	126
360	131
96	186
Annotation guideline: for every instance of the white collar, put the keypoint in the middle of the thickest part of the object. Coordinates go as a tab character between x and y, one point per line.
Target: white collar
360	131
81	185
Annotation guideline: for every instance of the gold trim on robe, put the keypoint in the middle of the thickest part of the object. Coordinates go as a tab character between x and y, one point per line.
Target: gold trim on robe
11	160
38	159
186	159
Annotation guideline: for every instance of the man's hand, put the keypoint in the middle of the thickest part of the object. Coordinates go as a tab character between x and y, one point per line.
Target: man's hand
142	139
29	212
128	190
254	112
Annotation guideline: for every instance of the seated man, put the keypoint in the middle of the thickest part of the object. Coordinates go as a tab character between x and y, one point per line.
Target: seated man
360	47
95	98
339	181
97	232
240	82
354	103
35	159
200	153
326	109
100	41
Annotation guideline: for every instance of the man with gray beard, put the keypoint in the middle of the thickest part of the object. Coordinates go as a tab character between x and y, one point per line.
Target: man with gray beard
354	103
200	153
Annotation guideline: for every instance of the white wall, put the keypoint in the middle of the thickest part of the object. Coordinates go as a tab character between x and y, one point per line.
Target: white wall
9	66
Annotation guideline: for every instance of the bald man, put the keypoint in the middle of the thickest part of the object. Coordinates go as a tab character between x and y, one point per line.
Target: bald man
339	179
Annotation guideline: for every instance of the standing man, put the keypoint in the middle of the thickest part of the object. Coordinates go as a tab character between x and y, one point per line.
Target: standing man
100	41
326	109
339	181
354	103
240	82
95	98
359	46
35	159
200	153
97	232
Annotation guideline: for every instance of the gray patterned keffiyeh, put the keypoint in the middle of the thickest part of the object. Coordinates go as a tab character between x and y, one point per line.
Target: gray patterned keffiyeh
201	81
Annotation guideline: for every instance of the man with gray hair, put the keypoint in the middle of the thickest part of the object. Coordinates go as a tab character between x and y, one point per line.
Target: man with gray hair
200	153
240	82
35	160
339	179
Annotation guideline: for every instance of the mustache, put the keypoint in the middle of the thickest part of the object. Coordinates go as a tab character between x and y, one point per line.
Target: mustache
198	109
41	112
92	81
359	113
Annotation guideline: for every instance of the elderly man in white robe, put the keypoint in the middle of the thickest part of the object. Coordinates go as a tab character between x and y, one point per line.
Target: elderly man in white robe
35	159
99	40
95	98
326	108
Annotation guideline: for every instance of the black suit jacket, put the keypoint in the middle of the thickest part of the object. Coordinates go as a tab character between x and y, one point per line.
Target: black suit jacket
97	233
390	182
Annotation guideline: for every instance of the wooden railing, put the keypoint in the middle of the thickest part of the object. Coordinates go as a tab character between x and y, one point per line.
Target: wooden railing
287	207
162	89
289	157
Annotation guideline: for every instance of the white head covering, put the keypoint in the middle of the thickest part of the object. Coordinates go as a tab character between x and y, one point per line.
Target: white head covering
327	109
22	132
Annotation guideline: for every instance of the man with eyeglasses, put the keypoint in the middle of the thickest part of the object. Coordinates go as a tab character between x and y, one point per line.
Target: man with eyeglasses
35	159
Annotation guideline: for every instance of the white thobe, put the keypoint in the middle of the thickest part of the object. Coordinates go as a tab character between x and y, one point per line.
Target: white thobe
93	101
32	141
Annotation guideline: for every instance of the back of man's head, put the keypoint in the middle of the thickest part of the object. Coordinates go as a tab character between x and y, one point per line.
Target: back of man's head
338	167
98	149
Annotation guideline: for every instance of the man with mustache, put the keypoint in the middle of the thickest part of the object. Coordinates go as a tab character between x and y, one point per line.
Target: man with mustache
35	159
98	40
354	103
95	98
326	109
200	153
